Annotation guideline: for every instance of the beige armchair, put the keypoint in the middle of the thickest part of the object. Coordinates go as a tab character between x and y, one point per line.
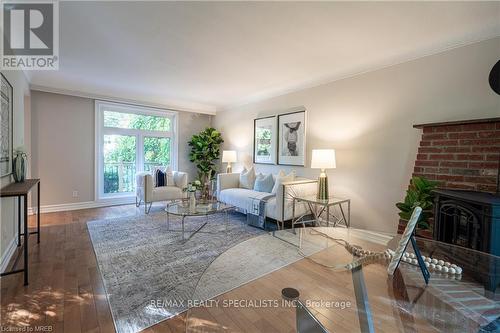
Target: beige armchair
146	192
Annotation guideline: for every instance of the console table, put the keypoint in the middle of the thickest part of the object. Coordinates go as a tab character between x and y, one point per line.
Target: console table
21	190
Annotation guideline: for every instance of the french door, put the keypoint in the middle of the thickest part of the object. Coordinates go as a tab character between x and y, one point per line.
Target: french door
130	139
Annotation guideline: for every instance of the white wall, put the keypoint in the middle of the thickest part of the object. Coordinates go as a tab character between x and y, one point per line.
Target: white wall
63	145
368	120
8	206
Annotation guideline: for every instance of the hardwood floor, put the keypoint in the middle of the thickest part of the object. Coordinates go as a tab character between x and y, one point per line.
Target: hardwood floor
66	292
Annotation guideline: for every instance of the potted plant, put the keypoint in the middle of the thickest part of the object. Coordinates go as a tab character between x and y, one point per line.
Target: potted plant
419	193
205	151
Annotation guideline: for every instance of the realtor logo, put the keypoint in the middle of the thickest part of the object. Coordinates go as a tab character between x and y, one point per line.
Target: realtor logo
30	39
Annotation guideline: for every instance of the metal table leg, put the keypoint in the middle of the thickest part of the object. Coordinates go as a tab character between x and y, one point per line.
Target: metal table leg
38	215
226	218
168	221
26	239
19	221
364	312
183	217
328	215
343	215
349	213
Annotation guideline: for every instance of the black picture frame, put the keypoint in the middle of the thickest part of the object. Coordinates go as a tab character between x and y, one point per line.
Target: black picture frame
7	163
299	160
274	136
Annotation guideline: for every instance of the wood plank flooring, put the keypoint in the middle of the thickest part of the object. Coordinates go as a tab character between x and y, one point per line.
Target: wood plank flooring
66	292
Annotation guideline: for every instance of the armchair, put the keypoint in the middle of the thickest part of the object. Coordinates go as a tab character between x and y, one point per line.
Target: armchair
147	193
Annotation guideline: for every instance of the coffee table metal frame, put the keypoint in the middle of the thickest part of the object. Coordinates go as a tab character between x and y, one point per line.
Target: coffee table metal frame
195	213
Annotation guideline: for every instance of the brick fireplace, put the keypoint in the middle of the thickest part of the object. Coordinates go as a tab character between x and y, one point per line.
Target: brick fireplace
462	155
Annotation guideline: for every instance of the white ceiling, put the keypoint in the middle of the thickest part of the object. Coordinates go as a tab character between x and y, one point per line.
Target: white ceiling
206	56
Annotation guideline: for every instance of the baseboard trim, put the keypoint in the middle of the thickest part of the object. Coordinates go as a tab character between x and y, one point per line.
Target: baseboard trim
374	236
83	205
4	262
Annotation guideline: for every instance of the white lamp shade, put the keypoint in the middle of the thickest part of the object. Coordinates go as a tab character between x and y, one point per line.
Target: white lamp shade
323	159
229	156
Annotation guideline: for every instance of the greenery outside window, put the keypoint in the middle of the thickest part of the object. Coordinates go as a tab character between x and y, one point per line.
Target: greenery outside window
129	139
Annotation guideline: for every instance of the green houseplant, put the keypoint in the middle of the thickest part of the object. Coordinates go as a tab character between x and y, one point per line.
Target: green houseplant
419	193
205	150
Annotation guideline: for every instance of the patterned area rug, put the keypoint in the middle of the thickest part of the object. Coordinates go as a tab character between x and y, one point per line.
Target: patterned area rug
141	262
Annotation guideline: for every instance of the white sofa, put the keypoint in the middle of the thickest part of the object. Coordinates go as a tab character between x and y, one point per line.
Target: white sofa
146	192
278	207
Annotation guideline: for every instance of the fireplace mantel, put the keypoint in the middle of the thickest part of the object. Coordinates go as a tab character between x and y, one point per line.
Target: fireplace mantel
459	122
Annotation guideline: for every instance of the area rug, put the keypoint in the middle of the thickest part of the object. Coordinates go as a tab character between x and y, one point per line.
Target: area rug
143	264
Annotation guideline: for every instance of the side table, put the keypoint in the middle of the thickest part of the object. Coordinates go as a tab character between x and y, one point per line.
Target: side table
318	207
21	190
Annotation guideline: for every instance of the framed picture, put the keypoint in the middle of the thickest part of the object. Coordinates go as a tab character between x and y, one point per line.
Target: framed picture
404	240
292	138
264	140
6	123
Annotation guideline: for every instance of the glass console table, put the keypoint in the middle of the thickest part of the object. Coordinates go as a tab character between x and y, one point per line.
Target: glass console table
241	289
318	207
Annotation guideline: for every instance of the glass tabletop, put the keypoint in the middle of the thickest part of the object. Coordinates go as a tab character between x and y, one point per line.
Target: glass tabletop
336	297
183	207
314	199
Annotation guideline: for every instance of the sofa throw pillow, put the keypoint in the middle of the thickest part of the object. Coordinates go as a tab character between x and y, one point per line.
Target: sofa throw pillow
247	178
264	183
281	178
163	177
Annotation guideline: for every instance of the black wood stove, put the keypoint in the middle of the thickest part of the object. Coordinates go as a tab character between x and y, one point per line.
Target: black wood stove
470	219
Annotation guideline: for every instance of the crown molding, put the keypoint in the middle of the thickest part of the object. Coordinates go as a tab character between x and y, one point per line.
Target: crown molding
35	87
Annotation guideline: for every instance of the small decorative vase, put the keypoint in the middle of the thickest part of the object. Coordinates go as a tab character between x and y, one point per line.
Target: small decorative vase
19	167
192	199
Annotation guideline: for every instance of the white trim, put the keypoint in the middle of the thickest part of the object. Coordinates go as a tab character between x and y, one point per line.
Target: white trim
83	205
100	131
373	236
8	254
204	109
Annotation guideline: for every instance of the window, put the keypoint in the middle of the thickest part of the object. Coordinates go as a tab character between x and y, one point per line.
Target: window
130	139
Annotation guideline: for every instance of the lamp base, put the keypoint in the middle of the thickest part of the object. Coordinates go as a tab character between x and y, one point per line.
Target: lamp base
323	187
229	169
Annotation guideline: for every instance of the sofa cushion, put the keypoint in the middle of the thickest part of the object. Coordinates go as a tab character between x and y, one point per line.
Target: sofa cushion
162	176
180	179
166	193
247	178
283	178
264	183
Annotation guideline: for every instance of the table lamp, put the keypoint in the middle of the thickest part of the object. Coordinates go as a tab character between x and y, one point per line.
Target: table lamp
323	159
229	156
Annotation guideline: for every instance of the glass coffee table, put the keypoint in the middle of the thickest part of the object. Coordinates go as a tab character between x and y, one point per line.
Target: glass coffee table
327	299
183	209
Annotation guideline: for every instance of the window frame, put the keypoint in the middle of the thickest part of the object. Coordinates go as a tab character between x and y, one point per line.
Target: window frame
101	131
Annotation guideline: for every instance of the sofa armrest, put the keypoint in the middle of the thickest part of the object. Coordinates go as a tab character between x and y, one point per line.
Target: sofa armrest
287	190
227	180
144	186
